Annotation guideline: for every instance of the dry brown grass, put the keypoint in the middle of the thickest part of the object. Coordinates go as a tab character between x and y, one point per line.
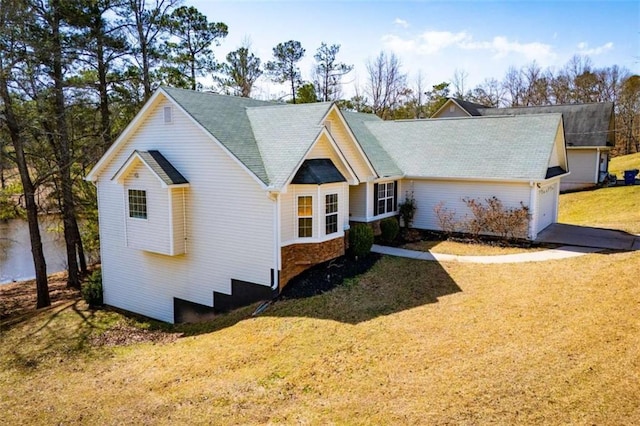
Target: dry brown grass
466	248
410	342
615	208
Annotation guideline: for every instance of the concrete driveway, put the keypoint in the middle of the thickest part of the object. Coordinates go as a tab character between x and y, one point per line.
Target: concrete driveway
585	236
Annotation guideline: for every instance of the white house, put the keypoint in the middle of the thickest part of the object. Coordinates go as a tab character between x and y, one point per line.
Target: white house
207	202
589	134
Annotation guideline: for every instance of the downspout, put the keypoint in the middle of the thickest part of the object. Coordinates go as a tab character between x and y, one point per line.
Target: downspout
598	165
274	196
534	212
184	221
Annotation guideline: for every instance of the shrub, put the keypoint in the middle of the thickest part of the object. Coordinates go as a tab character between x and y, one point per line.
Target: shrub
92	289
408	209
490	217
360	239
494	218
389	228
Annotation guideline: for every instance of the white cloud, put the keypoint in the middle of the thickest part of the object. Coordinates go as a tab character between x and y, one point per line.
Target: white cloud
427	43
432	42
401	22
502	47
583	48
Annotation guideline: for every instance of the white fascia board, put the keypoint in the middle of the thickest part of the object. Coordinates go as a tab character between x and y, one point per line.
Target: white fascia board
446	104
131	127
333	143
471	179
123	171
355	140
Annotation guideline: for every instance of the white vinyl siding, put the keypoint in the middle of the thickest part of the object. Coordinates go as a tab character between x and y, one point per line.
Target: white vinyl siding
546	206
153	232
227	235
358	202
582	165
428	193
348	147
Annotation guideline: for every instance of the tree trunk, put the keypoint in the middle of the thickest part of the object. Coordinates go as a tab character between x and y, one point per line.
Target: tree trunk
64	153
39	263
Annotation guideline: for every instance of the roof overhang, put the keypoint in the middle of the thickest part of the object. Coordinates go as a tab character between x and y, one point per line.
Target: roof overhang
168	175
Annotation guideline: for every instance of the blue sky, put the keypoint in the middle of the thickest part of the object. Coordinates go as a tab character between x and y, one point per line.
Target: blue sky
482	38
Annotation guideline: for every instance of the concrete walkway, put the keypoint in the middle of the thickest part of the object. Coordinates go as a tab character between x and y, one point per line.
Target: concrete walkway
587	236
563	252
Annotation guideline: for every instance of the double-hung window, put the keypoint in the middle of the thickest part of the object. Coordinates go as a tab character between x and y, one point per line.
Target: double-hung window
305	216
137	204
331	213
385	198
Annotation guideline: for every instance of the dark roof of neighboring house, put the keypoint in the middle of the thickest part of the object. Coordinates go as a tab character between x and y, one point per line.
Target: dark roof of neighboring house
318	171
470	107
162	167
585	125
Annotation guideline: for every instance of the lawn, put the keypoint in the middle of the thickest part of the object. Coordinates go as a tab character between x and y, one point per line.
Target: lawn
619	164
616	207
470	248
409	342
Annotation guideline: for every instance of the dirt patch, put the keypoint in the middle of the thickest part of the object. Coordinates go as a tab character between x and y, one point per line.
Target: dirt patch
124	334
325	276
20	297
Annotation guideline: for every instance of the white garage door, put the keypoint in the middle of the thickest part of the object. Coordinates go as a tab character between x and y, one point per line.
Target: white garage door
547	197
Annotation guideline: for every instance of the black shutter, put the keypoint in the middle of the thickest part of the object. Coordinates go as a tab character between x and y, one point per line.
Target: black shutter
395	195
375	199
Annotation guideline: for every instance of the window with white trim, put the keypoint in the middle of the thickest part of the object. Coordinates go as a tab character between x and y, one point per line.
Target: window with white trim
331	213
137	204
305	216
385	198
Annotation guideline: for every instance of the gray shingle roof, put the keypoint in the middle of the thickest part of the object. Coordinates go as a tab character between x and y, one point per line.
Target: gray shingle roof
510	148
162	167
380	159
584	124
225	118
284	134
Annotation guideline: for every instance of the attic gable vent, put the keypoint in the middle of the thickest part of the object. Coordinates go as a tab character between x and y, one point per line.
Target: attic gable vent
168	115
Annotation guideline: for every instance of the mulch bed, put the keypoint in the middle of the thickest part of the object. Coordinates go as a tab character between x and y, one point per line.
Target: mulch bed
325	276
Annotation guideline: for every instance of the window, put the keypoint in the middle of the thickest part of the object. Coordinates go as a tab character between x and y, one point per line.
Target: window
168	115
385	198
137	204
305	216
331	212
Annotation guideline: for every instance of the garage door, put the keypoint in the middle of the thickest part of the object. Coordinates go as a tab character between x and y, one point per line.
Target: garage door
547	197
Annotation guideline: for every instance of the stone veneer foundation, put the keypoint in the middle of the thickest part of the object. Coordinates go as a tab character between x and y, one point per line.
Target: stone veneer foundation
297	258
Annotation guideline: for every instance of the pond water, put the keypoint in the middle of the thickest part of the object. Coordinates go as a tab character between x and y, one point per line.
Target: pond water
16	261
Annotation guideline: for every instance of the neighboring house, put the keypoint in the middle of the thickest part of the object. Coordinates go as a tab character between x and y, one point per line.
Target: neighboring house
589	134
211	202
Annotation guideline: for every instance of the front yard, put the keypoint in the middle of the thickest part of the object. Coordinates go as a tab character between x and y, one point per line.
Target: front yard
408	342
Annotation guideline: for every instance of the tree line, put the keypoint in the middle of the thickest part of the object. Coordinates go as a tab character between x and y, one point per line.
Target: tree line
74	73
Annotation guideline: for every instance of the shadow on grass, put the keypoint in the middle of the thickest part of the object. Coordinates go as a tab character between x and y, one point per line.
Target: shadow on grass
340	290
56	332
348	292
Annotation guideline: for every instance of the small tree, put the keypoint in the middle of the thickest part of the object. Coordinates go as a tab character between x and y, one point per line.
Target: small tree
408	209
284	68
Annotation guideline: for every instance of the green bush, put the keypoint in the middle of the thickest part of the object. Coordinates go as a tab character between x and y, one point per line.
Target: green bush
92	289
360	239
389	229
